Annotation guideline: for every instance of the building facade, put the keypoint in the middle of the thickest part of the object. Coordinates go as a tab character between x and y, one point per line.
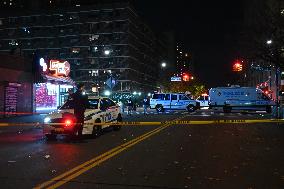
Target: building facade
16	85
184	64
263	45
107	46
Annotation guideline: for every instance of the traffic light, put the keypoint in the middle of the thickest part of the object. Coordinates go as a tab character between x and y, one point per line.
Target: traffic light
185	77
237	67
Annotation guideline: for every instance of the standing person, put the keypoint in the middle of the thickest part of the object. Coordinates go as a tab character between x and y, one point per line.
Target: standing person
81	103
145	104
129	106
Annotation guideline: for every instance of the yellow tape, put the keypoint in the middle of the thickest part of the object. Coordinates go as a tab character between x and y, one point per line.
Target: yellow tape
155	123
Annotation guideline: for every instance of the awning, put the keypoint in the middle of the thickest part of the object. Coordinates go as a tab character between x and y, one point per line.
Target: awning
59	80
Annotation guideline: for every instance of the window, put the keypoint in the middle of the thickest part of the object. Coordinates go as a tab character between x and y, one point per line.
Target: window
75	50
110	102
69	104
168	97
103	104
93	103
174	97
183	97
159	96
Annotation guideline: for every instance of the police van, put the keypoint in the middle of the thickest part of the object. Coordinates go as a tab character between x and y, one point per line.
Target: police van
100	110
173	101
239	98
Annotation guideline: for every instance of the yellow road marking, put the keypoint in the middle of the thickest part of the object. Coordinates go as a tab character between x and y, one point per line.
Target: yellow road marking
75	172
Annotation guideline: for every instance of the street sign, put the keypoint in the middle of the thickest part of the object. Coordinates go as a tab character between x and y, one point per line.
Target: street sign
111	82
175	78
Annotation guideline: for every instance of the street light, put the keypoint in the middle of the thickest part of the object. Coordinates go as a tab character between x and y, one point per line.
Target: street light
277	73
107	52
107	93
268	42
163	64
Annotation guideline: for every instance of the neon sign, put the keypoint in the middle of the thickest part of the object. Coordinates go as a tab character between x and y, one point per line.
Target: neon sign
59	68
43	64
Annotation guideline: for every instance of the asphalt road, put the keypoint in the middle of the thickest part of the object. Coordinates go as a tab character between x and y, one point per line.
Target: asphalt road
173	156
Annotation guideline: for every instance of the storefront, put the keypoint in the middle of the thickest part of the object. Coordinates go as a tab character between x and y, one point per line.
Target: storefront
54	90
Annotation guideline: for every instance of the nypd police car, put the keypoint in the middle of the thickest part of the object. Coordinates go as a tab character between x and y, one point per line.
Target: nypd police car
101	110
173	101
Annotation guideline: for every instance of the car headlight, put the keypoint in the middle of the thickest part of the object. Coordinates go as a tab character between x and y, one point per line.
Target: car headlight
47	120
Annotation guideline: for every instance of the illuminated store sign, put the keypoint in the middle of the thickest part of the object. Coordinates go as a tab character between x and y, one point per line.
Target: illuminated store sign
59	68
55	67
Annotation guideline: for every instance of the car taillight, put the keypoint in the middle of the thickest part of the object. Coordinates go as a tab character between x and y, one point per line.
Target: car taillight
68	123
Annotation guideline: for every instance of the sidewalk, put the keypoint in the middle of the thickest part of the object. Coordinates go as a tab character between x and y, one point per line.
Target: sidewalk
21	119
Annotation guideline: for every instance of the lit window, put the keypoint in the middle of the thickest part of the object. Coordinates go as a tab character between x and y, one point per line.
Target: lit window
95	49
282	11
13	43
75	50
5	2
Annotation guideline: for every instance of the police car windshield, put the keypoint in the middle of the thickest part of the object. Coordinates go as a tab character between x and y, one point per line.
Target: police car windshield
69	104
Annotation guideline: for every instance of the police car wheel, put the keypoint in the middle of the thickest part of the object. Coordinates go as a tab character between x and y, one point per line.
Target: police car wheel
159	108
190	108
50	137
97	129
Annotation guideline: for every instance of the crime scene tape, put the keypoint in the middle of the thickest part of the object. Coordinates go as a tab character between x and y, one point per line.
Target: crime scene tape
153	123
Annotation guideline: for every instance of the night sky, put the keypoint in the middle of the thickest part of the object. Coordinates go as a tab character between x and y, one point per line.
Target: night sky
208	29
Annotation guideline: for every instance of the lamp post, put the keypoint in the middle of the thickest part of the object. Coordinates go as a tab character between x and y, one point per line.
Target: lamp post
278	71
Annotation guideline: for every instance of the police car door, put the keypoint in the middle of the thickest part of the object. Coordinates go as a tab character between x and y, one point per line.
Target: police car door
167	101
174	101
113	110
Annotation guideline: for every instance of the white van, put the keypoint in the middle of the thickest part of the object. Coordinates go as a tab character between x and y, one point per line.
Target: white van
239	98
173	101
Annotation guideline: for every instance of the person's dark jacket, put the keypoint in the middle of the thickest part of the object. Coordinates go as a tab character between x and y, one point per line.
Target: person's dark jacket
81	103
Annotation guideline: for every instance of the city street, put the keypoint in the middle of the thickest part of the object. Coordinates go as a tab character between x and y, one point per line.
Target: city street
169	156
